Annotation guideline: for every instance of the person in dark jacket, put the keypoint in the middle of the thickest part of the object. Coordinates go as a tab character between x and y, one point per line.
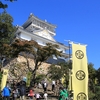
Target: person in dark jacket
22	91
6	93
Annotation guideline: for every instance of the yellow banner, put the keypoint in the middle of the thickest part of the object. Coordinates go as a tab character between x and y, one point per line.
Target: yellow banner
79	72
70	81
4	78
29	75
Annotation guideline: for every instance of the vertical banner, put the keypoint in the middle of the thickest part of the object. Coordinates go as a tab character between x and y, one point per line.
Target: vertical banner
79	72
29	75
63	80
69	86
4	78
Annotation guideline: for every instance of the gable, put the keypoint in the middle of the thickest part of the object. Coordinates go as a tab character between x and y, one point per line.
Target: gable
45	34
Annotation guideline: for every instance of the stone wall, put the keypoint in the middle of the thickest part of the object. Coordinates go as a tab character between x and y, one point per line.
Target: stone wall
19	67
42	68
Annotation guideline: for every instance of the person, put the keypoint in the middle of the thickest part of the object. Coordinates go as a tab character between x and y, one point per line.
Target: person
56	93
18	87
42	82
22	91
45	86
39	85
37	95
65	94
15	93
53	85
8	85
45	96
61	94
31	94
6	93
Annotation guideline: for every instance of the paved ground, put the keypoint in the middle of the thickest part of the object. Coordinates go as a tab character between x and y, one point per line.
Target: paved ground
49	98
51	95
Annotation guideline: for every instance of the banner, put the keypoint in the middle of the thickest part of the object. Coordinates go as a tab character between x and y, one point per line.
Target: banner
4	78
79	72
29	75
70	81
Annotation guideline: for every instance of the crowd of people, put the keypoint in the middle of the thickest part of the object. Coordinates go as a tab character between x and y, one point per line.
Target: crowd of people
19	91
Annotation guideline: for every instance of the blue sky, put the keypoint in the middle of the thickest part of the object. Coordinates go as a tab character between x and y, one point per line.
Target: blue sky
76	20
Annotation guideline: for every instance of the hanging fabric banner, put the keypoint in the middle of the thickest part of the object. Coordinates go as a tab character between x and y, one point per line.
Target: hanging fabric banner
4	78
79	72
69	86
29	75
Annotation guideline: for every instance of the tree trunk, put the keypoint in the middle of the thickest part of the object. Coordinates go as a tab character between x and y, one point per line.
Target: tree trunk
28	64
34	74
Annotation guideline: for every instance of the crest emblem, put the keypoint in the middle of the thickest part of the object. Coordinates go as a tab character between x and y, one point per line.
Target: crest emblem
5	73
79	54
80	75
81	96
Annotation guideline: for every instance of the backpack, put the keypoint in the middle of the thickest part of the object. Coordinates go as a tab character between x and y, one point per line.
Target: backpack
45	84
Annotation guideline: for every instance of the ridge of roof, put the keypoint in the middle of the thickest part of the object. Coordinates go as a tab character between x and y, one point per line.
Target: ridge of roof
32	16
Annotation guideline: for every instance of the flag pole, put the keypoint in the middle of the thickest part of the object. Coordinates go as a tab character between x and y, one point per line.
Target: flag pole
71	91
70	69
